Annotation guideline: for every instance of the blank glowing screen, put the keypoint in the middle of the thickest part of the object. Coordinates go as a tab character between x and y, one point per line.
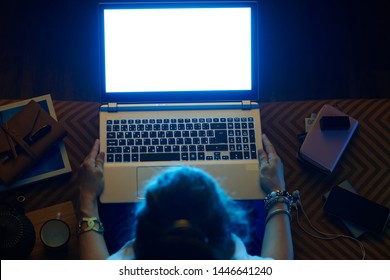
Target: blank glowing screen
177	49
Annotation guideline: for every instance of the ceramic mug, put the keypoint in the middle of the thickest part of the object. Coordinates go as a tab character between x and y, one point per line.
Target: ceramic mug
55	233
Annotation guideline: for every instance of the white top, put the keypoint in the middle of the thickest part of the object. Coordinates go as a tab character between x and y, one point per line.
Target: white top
240	252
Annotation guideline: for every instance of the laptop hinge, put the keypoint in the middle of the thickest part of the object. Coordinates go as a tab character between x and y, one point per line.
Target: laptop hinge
112	107
246	105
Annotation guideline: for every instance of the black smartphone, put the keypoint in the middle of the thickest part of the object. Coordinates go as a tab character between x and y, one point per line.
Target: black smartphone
334	123
357	209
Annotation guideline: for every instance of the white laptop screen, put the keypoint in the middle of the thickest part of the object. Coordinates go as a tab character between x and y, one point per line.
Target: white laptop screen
170	50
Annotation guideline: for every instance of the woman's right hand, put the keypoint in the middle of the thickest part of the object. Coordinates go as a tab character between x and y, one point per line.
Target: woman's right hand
91	180
271	168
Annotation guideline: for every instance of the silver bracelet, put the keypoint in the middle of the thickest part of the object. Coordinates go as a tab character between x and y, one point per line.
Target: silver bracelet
276	212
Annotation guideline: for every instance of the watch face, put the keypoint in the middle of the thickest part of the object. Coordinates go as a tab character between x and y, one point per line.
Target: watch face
55	233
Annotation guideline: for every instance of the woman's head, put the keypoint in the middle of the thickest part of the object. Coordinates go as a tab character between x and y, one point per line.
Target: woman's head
186	215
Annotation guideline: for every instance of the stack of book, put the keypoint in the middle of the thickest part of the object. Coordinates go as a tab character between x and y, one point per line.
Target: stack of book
327	138
31	143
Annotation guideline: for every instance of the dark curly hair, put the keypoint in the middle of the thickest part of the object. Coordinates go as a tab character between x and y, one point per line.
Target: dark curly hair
186	215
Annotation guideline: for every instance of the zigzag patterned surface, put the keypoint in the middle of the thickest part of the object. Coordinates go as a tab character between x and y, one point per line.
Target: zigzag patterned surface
365	163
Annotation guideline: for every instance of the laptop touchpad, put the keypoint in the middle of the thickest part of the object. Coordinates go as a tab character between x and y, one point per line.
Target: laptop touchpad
146	174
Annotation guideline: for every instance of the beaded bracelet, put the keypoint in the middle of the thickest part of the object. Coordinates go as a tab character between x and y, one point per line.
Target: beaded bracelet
93	223
278	197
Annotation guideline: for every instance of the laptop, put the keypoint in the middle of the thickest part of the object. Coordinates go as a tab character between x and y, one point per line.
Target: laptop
179	86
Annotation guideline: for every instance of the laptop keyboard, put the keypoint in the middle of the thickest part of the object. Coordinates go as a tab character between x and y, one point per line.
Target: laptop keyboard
137	140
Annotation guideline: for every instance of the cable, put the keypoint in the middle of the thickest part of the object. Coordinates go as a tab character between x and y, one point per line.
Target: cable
326	236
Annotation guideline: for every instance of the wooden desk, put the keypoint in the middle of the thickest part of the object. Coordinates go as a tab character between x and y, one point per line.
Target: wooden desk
39	217
365	163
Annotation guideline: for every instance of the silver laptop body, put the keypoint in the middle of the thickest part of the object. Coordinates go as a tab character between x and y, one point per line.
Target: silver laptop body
179	87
